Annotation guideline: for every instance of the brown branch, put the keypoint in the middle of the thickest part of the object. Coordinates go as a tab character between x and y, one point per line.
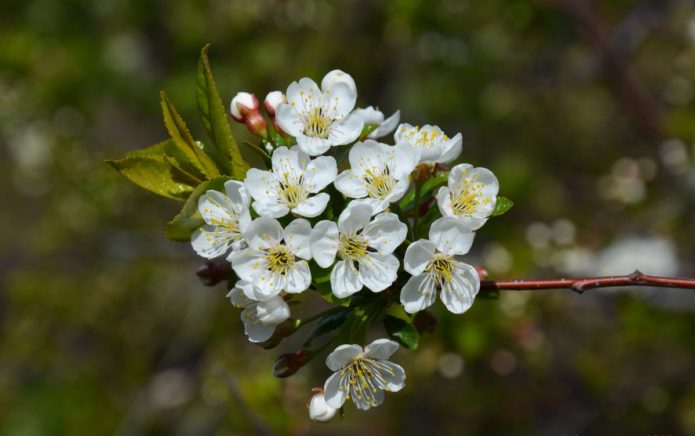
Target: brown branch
582	284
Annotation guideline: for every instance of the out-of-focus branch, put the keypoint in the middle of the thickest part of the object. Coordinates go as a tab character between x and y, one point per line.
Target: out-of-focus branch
582	284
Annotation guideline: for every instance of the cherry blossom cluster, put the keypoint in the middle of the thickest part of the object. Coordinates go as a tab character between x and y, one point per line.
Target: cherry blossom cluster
337	202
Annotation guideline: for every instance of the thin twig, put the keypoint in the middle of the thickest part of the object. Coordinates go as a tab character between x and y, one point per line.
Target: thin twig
582	284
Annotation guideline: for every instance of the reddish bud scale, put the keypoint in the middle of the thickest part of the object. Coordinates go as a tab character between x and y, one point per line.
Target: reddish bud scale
212	272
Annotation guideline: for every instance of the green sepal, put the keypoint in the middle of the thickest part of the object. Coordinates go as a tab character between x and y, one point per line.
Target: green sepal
402	331
502	205
213	115
188	220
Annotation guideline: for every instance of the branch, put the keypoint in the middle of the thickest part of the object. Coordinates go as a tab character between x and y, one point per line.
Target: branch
582	284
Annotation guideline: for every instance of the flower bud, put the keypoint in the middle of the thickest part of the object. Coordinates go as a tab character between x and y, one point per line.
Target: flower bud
211	273
290	363
319	411
245	109
282	331
272	100
338	76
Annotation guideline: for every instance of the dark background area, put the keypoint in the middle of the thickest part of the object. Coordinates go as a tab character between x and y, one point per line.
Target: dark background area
583	109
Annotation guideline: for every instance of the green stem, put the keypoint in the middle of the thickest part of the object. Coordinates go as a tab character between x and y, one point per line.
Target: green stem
319	315
416	210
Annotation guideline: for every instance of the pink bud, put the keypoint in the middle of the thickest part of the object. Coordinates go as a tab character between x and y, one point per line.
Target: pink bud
272	101
243	102
290	363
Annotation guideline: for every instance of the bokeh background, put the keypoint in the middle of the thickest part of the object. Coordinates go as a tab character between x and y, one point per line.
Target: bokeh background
585	111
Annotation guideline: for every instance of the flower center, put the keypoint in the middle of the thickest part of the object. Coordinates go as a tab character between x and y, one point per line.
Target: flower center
352	247
441	267
279	259
379	182
468	196
317	123
292	192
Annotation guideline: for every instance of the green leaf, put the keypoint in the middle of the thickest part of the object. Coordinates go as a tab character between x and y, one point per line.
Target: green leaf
502	205
188	220
216	122
321	278
354	330
167	151
187	150
402	331
327	324
153	174
436	181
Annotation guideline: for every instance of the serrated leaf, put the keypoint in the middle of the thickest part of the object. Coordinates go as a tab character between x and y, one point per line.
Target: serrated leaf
188	220
436	181
321	278
327	324
167	151
402	331
187	148
153	174
502	205
216	122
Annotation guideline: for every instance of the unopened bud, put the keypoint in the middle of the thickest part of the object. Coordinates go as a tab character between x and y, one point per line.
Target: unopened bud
319	410
272	101
245	109
212	272
290	363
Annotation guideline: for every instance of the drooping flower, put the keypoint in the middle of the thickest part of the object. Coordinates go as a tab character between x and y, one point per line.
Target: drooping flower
319	410
434	145
271	260
378	174
319	119
363	246
293	184
226	217
434	267
470	196
259	317
362	375
371	115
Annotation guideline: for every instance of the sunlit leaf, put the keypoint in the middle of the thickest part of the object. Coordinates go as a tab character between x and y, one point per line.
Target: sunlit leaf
188	220
402	331
153	174
502	205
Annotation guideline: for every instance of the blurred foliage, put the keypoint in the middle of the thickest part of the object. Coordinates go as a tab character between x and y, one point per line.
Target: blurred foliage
585	113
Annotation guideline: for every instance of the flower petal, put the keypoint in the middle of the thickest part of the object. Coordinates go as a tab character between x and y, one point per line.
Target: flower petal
418	293
417	256
458	294
247	263
320	173
236	191
312	206
297	234
335	397
451	236
339	99
406	158
387	126
257	331
350	185
451	150
270	208
381	349
346	131
393	376
262	185
378	271
344	279
287	162
444	201
324	243
354	218
312	145
263	232
367	155
289	120
385	233
215	208
212	241
298	278
342	355
272	311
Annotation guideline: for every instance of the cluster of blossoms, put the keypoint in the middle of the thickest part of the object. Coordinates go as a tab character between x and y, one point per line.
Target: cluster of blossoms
336	206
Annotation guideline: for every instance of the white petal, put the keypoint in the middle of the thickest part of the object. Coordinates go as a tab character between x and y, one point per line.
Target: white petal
417	256
312	206
289	119
342	355
367	155
370	115
324	243
381	349
247	263
350	185
368	402
270	283
451	236
393	375
286	161
457	174
344	279
270	208
387	126
212	241
262	185
354	218
257	331
418	293
374	203
398	191
304	95
272	311
458	295
237	193
346	131
444	201
451	150
237	296
215	207
312	145
298	278
297	235
378	271
263	232
406	158
319	410
339	99
385	233
320	173
339	76
335	397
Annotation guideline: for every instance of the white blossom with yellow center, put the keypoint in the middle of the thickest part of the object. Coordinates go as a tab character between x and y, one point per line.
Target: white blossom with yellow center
226	216
293	185
434	145
470	196
259	317
320	118
276	259
364	247
371	115
362	375
379	174
434	267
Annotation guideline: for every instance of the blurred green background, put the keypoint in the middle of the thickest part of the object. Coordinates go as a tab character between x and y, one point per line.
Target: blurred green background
584	110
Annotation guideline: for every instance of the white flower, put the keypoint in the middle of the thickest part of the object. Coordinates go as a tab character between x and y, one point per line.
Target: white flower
260	317
319	119
242	102
370	115
470	196
364	248
291	184
379	173
362	375
271	264
226	217
433	265
319	411
339	76
273	100
434	145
